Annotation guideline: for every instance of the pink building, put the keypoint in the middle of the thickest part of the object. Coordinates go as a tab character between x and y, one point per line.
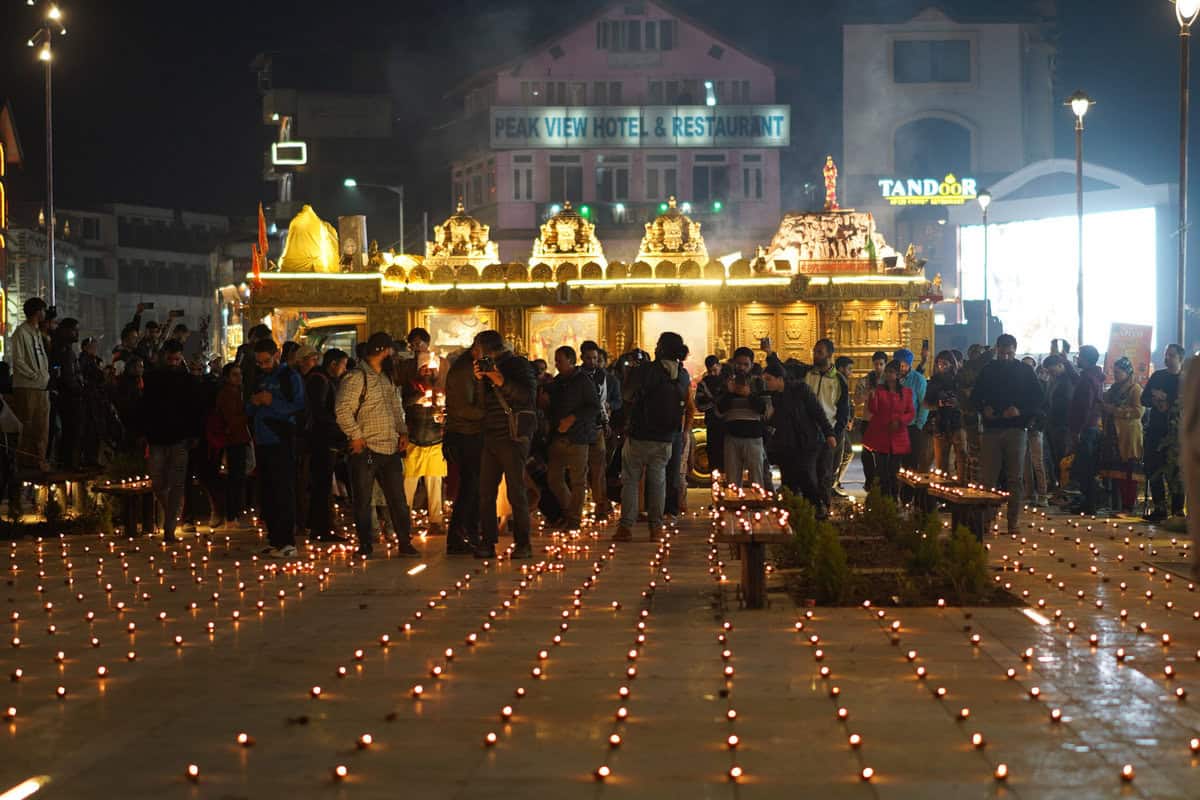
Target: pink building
635	105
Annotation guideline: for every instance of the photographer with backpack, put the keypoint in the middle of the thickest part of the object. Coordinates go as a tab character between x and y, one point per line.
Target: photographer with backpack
655	395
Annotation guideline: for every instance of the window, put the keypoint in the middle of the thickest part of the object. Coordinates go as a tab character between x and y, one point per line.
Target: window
556	93
710	178
577	94
91	228
531	93
932	61
623	36
491	180
752	177
458	187
656	93
94	267
931	146
566	179
126	276
606	93
612	178
147	279
476	190
740	92
675	92
662	174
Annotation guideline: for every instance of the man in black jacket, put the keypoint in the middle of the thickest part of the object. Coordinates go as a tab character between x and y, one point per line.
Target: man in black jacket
170	417
508	381
462	445
742	406
324	437
655	396
574	406
1008	395
796	416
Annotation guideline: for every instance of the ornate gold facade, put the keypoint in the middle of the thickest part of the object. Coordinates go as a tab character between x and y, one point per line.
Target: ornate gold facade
568	292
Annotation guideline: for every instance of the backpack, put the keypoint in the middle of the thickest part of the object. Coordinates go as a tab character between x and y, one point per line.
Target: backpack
660	403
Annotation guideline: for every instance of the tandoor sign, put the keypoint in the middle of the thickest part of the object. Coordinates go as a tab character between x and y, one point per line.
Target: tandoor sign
949	191
561	127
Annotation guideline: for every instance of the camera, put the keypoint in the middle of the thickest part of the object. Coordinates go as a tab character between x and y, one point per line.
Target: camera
485	364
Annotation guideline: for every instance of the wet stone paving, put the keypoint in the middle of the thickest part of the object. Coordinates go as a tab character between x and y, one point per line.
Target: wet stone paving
136	670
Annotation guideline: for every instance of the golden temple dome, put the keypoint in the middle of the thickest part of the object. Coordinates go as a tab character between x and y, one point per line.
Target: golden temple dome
567	236
462	237
672	234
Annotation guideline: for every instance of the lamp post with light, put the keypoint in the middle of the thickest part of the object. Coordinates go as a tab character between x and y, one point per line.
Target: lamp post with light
1186	12
43	37
1079	104
351	183
985	199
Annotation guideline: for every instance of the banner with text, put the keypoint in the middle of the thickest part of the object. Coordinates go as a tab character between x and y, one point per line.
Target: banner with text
558	127
1132	342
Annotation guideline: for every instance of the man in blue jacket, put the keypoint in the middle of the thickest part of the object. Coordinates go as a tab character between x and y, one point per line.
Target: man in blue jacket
277	400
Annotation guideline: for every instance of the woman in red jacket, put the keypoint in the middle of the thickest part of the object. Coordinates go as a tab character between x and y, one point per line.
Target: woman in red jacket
892	411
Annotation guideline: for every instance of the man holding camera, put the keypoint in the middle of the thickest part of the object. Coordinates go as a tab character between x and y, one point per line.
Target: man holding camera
509	393
370	413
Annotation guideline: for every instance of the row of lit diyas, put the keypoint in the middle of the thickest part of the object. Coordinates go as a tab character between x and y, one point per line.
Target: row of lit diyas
1170	671
120	610
624	689
530	575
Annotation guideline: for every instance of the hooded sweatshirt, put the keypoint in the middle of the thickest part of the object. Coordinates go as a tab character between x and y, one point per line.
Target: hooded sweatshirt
1085	402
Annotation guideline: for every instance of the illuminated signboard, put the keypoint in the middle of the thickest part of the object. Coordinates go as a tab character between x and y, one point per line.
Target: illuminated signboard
289	153
949	191
640	126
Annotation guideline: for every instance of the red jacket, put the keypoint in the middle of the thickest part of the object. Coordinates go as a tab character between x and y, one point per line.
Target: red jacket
885	406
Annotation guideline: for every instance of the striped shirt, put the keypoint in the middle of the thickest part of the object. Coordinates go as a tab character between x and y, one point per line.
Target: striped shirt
380	419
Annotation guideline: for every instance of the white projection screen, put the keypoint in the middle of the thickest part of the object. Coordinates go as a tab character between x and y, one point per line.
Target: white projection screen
1032	269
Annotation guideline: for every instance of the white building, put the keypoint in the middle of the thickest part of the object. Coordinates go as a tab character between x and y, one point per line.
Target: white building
112	258
936	109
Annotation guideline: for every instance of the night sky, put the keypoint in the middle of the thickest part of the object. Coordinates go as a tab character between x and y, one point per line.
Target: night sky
155	102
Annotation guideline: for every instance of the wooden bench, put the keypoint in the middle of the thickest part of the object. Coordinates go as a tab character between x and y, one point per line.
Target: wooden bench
137	503
752	529
971	506
72	486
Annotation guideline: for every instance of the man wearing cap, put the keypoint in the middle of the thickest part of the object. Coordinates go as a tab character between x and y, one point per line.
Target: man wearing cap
31	383
915	381
420	382
370	413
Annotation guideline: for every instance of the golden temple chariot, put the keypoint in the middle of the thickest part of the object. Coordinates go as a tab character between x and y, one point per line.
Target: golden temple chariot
824	274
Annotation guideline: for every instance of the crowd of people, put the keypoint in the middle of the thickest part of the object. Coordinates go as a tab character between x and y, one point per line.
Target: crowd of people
505	442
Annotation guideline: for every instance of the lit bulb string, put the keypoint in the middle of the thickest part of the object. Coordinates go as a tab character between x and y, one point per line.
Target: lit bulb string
1124	640
636	651
273	584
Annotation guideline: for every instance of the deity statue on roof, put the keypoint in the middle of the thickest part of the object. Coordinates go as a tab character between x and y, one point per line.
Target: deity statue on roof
462	236
831	176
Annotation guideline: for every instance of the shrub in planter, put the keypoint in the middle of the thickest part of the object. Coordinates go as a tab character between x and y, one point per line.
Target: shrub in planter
926	553
881	517
803	520
965	565
830	572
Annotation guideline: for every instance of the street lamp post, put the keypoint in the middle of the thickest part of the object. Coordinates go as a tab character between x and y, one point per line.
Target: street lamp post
43	38
1186	12
985	200
351	183
1079	104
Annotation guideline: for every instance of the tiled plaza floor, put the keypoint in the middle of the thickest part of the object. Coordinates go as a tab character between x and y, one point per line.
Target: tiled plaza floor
255	638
